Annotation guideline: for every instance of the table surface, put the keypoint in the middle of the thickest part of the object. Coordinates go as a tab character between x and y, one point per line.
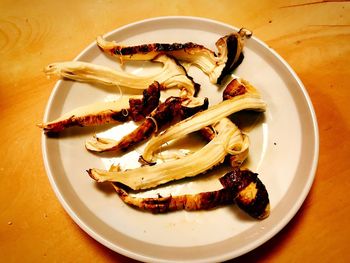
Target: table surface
312	36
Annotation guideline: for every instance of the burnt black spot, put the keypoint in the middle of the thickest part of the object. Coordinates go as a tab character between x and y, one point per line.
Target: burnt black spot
189	111
144	48
120	116
139	109
237	179
162	47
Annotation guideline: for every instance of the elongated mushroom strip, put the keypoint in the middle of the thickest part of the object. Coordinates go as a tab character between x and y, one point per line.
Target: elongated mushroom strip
216	66
172	75
251	100
172	108
242	187
252	196
125	109
228	138
200	201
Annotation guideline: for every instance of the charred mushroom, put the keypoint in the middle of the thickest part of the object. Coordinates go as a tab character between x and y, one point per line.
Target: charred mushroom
215	65
172	75
228	139
250	100
165	113
125	109
240	186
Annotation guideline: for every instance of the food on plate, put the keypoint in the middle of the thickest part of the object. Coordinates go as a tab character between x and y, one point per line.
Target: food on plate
171	76
252	196
215	65
240	186
228	140
250	100
124	109
179	116
190	202
234	160
172	108
236	87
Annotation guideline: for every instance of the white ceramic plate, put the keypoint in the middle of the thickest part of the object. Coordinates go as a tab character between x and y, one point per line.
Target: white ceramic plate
284	151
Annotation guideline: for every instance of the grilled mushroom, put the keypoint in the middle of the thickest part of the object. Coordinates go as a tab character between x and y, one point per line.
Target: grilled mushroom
229	139
194	202
125	109
240	186
172	75
250	193
166	112
250	100
215	65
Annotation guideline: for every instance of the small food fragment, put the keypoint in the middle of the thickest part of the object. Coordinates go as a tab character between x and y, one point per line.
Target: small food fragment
173	108
250	100
242	187
172	75
215	65
236	87
228	139
252	196
225	141
125	109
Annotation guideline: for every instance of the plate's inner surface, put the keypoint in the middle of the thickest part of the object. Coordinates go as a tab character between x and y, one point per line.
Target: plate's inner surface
275	145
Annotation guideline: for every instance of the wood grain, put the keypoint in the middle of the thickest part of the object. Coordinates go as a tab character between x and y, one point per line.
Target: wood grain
312	36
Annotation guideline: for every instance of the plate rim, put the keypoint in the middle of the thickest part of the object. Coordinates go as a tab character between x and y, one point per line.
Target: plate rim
268	235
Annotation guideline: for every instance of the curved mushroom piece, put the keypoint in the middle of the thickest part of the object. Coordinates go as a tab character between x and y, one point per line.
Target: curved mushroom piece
125	109
242	187
216	66
172	75
166	112
251	194
228	139
234	160
250	100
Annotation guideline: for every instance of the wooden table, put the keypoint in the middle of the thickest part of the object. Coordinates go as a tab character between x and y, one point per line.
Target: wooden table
312	36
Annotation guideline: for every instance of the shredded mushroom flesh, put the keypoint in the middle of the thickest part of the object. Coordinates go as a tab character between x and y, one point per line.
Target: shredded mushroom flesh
172	75
251	100
210	155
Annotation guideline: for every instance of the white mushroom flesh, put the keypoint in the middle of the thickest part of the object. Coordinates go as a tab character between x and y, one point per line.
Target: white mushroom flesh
171	75
249	101
228	137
